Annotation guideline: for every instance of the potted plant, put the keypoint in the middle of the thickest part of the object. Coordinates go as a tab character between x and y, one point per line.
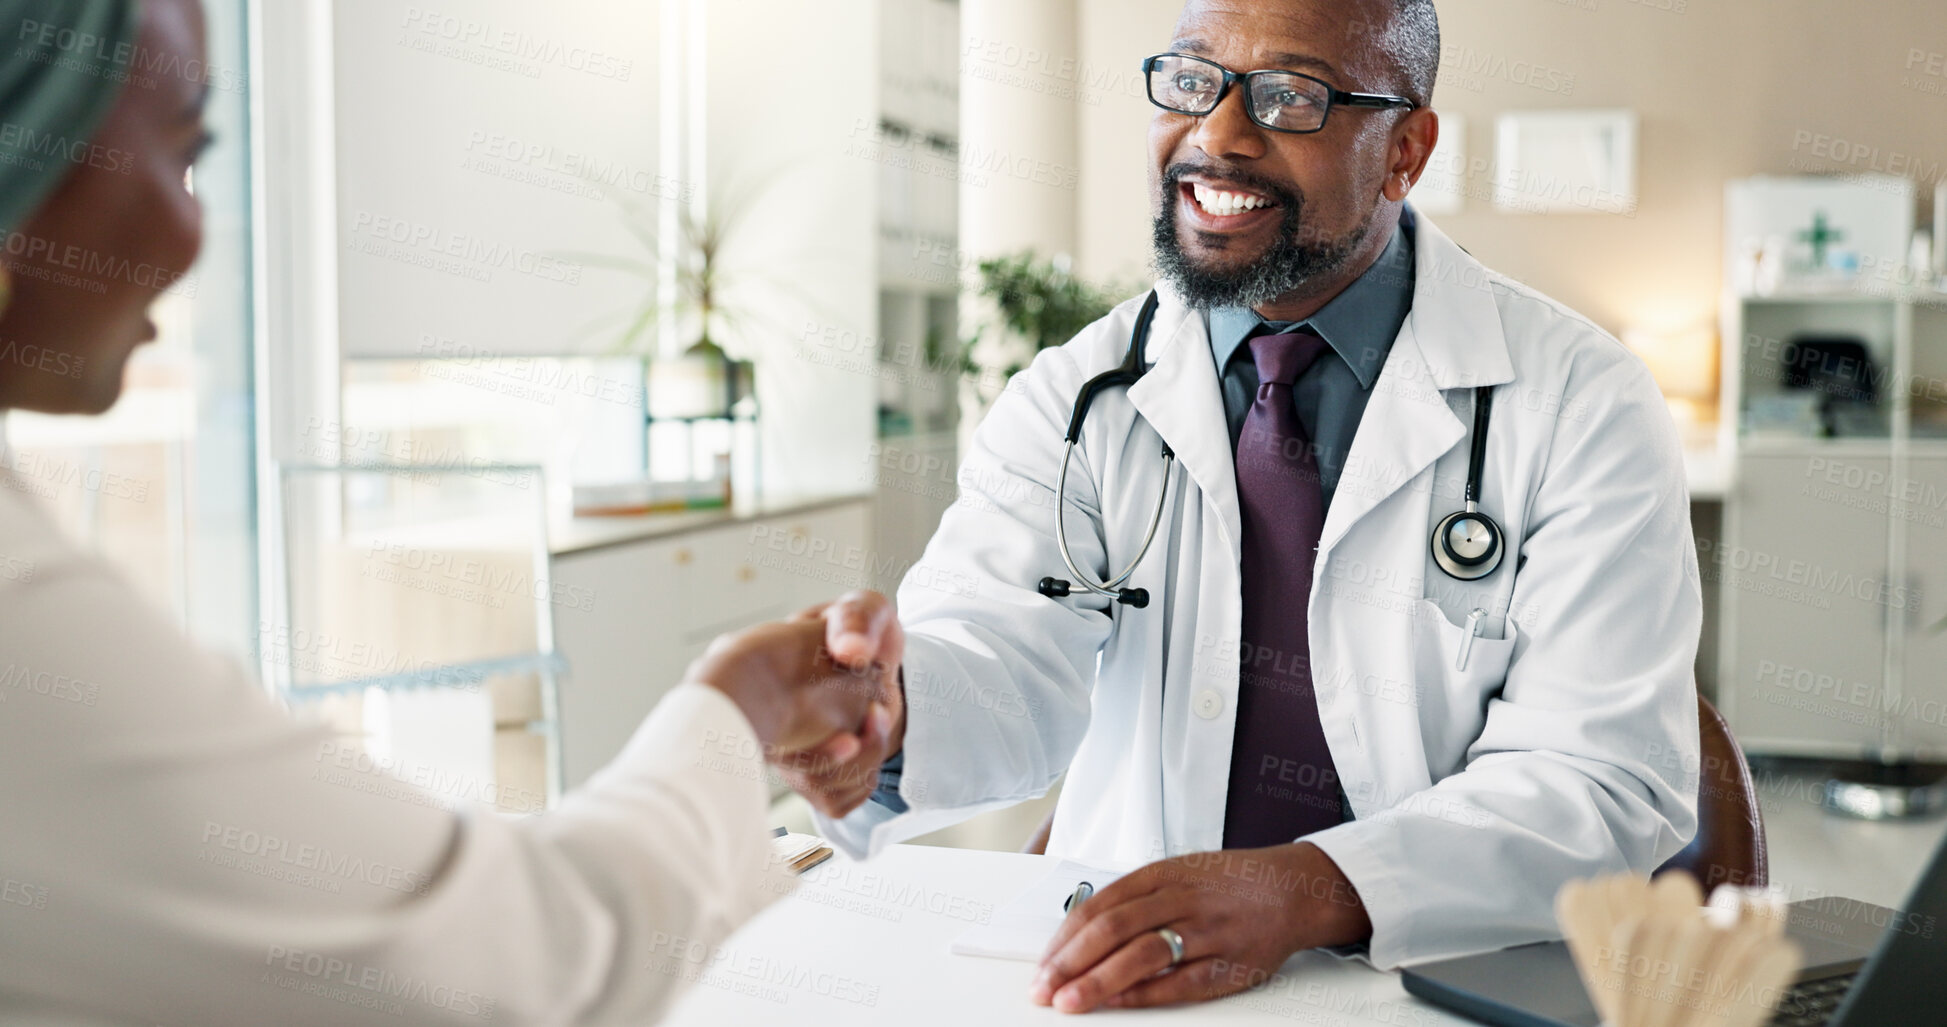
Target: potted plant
1031	304
707	390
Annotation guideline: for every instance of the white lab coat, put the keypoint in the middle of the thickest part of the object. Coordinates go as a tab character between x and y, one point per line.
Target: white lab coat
1566	746
174	849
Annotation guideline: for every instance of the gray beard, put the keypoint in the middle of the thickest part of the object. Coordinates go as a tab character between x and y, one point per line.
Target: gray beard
1289	265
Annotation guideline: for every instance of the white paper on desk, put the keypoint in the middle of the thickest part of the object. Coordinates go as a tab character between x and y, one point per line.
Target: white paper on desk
792	847
1022	928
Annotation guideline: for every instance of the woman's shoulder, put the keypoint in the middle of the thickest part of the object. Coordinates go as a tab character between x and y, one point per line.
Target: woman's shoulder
32	546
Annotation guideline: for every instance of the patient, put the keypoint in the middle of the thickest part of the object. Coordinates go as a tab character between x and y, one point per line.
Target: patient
169	848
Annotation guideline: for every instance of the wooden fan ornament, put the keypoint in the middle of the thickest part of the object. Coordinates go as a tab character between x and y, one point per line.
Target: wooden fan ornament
1652	955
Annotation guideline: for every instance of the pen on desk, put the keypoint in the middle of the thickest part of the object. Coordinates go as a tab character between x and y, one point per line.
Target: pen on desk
1082	892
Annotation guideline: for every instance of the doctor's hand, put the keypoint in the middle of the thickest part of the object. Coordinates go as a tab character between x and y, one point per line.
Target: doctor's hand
862	632
1240	914
795	695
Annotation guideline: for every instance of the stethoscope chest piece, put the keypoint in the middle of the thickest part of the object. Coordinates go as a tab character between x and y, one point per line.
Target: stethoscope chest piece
1467	544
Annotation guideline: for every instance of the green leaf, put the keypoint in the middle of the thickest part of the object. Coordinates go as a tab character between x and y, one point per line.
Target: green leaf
1039	301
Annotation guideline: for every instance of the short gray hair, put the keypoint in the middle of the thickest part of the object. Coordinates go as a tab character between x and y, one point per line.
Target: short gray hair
1412	40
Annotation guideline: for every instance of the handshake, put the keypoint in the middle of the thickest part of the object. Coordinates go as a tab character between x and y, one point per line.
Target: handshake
824	693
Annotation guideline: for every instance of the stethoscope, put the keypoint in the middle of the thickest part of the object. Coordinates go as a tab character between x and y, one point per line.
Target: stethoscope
1132	369
1467	544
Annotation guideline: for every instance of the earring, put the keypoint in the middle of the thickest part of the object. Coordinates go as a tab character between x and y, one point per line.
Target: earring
6	288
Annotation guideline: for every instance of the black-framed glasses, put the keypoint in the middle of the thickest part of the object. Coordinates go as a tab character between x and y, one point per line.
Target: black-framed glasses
1282	101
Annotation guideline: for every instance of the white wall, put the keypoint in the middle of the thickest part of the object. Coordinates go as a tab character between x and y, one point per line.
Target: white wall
1724	88
790	84
483	147
1018	143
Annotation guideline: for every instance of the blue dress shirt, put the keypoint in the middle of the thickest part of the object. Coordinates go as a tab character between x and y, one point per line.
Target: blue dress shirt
1358	325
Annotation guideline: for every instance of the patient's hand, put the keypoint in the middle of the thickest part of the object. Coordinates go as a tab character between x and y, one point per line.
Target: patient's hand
795	695
861	632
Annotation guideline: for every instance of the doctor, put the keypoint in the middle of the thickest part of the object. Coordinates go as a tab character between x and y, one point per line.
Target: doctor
1341	716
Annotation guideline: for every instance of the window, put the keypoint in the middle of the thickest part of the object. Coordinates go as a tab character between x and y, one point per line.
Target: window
580	419
163	485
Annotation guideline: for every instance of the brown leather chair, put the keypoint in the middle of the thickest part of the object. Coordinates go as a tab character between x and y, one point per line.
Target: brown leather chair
1729	846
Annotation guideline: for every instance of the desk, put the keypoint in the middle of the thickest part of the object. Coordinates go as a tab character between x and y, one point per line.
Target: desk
867	943
638	598
1707	472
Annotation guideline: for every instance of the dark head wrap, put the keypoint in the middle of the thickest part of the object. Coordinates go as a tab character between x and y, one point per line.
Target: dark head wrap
62	64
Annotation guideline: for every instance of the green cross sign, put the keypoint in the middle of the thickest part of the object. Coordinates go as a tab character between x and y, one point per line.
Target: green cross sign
1820	235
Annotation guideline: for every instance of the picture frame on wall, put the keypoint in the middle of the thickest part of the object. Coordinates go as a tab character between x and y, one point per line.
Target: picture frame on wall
1549	162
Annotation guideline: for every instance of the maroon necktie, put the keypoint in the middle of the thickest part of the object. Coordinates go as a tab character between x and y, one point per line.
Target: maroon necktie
1282	783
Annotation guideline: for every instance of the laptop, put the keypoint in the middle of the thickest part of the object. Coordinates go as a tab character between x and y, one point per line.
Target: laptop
1864	965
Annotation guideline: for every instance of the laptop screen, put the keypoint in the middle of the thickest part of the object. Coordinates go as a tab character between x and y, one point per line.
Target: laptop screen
1907	975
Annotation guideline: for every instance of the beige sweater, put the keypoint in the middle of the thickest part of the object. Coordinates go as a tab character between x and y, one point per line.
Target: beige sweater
174	849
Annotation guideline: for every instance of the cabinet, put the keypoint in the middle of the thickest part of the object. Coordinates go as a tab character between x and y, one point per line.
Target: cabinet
1800	583
1921	707
645	609
1832	575
619	645
921	273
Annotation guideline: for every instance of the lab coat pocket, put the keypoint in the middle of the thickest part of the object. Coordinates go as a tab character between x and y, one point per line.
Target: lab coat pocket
1458	669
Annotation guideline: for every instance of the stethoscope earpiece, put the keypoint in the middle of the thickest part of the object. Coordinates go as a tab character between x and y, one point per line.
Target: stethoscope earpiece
1132	369
1055	588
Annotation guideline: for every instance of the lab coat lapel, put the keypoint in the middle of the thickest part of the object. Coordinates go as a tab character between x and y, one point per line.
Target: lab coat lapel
1181	398
1405	428
1453	339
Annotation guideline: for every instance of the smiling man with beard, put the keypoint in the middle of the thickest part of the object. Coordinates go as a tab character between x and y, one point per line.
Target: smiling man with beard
1413	644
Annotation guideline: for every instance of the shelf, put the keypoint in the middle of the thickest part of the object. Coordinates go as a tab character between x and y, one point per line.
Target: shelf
583	534
1876	445
470	675
1710	472
1707	472
937	287
1870	293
